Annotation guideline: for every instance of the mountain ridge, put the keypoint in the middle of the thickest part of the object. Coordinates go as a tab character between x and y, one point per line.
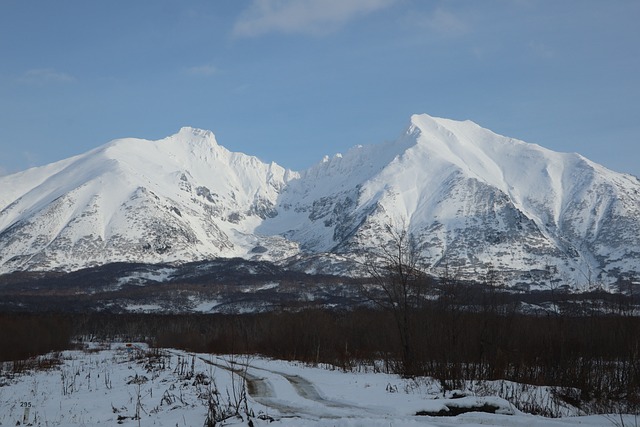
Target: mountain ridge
475	199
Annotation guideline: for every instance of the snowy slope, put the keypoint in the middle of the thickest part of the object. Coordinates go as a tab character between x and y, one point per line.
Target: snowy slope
475	199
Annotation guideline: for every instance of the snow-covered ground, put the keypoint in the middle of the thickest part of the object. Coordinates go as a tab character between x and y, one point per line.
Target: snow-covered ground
132	385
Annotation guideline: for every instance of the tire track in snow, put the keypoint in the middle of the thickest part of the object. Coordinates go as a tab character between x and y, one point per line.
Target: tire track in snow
307	390
263	392
314	404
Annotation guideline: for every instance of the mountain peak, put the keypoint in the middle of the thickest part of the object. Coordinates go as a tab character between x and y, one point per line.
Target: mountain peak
195	134
423	118
427	121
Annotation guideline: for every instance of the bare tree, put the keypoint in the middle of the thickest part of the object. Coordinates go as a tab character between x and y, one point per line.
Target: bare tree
397	284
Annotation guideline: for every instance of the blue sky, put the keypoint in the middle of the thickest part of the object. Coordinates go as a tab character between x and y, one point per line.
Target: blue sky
292	80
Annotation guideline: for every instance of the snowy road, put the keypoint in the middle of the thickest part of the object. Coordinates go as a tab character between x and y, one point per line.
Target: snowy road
273	389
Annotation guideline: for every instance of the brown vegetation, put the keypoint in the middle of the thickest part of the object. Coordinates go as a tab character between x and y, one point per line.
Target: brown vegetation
27	335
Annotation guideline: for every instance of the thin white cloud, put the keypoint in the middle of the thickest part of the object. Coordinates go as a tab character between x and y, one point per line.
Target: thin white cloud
442	23
202	70
313	17
448	24
45	76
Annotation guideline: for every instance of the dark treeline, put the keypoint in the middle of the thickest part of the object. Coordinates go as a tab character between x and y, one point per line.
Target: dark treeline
25	335
598	355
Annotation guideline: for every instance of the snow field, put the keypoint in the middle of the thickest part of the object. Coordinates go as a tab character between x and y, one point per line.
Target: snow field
132	385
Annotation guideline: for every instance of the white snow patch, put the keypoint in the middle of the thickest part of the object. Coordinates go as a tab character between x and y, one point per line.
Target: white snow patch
266	286
143	308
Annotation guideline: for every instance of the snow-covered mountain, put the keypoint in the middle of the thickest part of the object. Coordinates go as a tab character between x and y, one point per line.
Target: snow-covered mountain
178	199
474	199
